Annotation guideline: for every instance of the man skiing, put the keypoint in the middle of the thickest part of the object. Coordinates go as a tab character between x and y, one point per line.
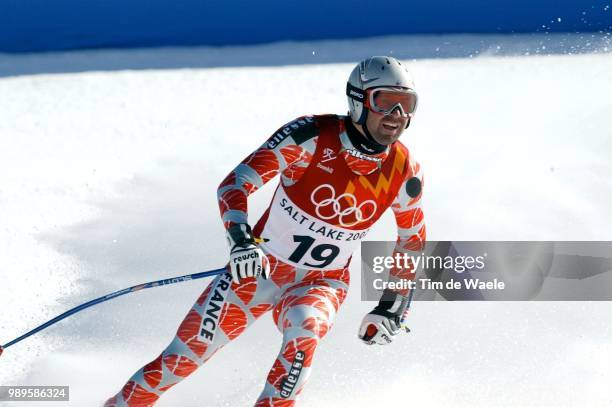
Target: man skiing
338	175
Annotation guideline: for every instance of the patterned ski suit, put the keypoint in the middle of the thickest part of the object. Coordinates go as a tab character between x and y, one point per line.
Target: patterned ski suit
329	196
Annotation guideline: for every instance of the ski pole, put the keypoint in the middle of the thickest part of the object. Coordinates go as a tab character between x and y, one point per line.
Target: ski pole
405	306
110	296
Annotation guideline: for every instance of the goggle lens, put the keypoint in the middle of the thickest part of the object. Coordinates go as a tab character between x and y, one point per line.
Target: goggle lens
385	100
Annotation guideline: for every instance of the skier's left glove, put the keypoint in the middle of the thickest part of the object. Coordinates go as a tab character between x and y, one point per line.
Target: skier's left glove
385	321
246	257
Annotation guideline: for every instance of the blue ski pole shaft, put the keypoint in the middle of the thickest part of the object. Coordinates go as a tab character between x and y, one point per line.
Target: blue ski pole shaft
405	306
110	296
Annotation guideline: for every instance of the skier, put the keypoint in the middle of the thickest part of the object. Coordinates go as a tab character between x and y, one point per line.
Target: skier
338	175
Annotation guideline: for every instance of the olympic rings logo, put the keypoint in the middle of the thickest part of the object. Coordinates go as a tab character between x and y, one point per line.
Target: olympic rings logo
341	211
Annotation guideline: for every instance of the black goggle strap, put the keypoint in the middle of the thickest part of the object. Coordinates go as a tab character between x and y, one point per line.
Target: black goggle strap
355	93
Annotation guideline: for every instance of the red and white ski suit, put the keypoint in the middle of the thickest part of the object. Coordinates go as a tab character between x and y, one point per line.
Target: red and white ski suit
329	196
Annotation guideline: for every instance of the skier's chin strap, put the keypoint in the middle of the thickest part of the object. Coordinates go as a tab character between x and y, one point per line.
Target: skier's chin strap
365	143
368	135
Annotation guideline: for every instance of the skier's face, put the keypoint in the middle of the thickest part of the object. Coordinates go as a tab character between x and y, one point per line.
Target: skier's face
386	129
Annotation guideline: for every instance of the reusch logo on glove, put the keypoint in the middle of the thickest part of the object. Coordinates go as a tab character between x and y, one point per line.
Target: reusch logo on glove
289	382
251	255
213	309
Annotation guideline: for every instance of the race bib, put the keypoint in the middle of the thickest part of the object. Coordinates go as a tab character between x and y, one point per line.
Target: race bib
306	241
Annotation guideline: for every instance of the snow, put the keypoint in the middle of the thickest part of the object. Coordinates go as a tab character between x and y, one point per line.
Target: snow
108	174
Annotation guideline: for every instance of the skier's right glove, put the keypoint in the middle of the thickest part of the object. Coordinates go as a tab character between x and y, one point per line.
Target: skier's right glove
246	258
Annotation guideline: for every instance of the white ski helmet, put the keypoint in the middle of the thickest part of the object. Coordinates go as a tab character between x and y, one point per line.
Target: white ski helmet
374	72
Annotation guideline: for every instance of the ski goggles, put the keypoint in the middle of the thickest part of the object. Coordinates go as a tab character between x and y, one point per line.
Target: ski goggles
386	100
